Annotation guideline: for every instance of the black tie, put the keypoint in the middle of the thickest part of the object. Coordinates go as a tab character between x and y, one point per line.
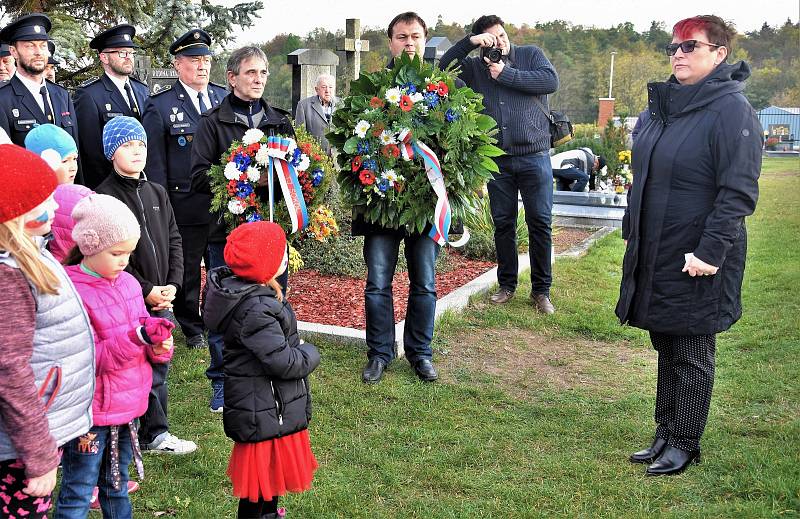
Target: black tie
47	112
131	100
201	103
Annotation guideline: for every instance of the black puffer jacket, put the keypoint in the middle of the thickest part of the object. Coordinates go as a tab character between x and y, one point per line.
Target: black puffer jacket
696	165
266	366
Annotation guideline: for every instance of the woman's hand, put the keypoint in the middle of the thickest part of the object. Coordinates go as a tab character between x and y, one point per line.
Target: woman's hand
43	485
697	267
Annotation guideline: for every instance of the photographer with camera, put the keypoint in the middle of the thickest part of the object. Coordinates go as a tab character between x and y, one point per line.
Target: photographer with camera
512	78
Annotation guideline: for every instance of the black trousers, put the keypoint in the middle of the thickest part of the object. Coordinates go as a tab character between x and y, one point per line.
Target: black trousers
187	301
154	421
258	510
683	391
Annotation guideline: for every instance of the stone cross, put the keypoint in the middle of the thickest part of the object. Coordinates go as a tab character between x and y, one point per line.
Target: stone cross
307	64
352	46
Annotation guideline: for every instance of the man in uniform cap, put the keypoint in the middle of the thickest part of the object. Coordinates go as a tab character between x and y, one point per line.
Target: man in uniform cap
50	68
7	63
27	100
171	119
114	93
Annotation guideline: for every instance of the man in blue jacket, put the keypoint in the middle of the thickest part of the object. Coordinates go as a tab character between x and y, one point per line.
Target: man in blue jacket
171	119
512	80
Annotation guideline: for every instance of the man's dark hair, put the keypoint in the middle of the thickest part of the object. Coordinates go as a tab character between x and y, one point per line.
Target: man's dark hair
485	22
408	17
601	162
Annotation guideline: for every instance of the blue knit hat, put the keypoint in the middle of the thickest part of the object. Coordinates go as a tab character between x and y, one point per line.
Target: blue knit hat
120	130
50	142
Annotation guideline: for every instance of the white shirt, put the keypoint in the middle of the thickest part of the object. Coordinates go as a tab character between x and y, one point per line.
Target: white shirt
34	88
193	96
120	84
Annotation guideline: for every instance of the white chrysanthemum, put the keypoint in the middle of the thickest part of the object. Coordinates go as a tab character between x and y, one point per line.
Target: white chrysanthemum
262	155
253	174
236	207
416	97
387	138
391	176
362	127
393	95
231	171
252	136
305	162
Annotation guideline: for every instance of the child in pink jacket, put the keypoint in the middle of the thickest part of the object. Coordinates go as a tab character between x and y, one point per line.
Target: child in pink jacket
127	340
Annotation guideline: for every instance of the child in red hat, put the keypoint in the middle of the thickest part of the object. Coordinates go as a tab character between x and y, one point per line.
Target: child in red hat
47	356
267	401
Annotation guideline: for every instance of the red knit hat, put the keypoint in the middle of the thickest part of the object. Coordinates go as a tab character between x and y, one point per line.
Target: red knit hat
254	250
26	181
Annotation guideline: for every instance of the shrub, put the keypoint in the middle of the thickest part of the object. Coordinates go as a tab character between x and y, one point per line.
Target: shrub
481	228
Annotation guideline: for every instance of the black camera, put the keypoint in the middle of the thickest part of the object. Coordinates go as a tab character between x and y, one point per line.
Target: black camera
493	54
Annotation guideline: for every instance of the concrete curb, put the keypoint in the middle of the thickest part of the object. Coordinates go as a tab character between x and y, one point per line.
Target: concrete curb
454	301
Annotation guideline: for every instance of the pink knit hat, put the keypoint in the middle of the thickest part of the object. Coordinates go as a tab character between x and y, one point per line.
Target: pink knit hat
102	221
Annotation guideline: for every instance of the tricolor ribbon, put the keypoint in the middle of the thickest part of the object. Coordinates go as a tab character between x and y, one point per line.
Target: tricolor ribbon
442	214
290	185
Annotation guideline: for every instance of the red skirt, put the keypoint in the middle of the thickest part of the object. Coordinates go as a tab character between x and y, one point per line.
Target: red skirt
273	467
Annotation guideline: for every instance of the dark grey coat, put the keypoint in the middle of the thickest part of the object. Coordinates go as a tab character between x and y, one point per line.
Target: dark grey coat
696	164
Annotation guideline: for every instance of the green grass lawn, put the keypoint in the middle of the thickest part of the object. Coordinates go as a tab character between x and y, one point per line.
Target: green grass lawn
535	416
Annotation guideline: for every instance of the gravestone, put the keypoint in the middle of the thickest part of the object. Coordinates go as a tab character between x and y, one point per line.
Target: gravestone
589	209
435	49
307	64
353	46
155	78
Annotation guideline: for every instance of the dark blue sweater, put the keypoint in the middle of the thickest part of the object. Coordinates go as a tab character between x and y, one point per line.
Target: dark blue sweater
509	99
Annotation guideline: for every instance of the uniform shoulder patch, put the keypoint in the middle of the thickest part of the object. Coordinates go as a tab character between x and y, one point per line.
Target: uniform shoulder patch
89	81
162	90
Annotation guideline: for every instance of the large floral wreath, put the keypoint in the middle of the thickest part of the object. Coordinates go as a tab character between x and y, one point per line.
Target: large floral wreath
300	167
413	148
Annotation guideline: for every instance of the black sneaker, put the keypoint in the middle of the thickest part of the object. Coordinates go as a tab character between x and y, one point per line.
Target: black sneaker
197	342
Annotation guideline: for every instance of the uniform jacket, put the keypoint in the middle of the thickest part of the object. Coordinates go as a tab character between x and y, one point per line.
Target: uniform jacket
158	257
309	113
266	366
696	164
20	112
218	128
124	375
171	121
97	101
46	344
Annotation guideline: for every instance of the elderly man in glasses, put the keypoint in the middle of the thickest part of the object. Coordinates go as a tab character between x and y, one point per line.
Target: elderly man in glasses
315	112
114	93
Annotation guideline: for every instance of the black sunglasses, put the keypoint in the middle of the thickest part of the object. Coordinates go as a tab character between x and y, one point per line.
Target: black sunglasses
685	46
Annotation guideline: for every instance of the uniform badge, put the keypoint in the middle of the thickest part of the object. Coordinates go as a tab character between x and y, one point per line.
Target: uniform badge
189	138
197	36
172	118
182	141
37	29
126	37
15	112
108	107
180	116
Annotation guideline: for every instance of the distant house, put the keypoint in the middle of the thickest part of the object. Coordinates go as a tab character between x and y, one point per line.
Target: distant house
783	123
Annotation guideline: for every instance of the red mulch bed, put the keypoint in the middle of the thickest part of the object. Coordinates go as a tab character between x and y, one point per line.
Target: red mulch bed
339	301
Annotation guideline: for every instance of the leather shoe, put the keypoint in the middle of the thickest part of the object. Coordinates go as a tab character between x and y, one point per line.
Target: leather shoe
673	461
542	303
649	454
197	342
502	296
425	370
373	371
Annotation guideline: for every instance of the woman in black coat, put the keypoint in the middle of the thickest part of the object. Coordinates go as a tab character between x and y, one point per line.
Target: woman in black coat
696	164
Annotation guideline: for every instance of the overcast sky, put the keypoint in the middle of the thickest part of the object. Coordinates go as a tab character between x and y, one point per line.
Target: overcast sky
300	17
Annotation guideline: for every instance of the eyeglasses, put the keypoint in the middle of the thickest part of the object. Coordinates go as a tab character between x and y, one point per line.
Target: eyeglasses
122	53
685	46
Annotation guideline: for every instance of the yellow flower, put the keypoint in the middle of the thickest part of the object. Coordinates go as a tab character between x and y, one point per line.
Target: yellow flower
295	260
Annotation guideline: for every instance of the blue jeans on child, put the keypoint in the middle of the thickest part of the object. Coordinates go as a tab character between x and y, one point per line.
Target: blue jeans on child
86	463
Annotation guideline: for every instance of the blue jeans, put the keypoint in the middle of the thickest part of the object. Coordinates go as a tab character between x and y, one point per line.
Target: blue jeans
531	176
86	463
565	177
380	254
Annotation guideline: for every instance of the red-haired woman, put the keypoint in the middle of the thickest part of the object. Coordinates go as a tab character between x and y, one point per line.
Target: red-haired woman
696	164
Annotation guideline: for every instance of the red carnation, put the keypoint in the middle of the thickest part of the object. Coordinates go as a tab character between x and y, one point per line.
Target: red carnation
406	104
317	157
442	89
376	102
391	150
253	148
367	177
355	165
305	147
432	87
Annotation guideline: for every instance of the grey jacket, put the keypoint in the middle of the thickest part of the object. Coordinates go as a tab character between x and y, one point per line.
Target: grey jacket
62	360
310	113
